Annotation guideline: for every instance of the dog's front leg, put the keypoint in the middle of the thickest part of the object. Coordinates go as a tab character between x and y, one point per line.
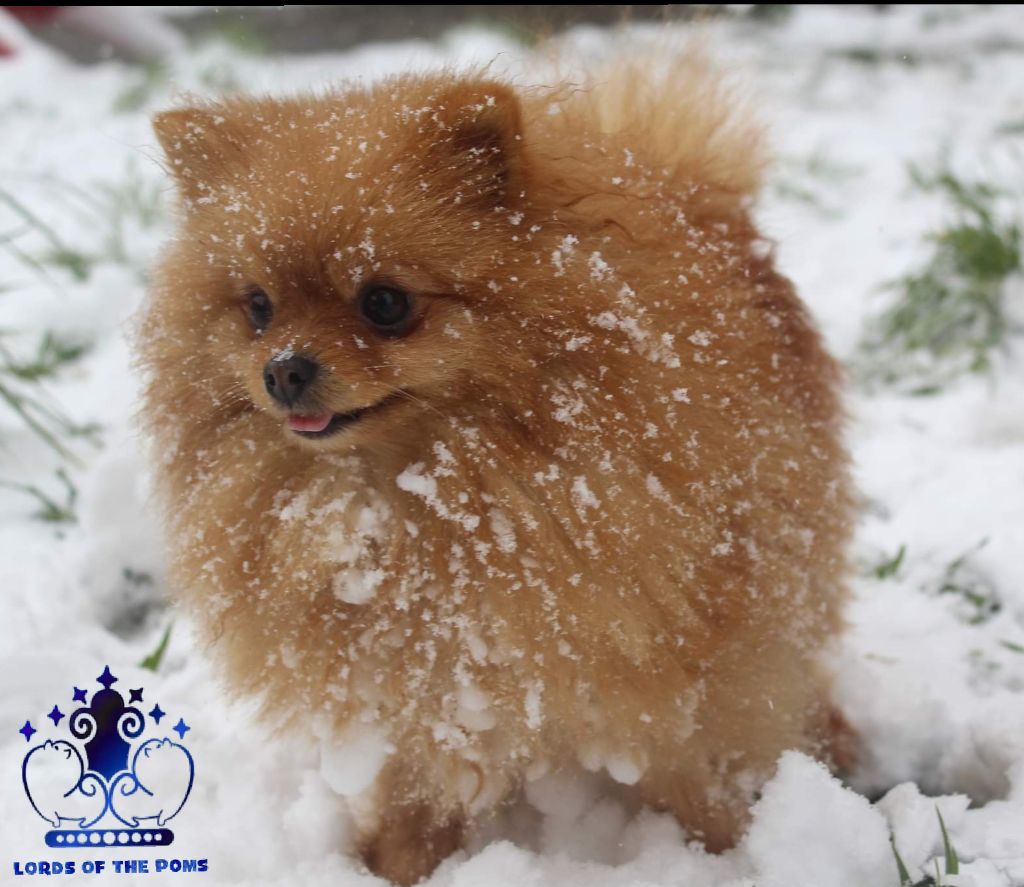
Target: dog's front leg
401	834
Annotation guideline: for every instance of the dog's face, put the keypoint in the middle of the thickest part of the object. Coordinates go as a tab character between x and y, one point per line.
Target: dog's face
349	264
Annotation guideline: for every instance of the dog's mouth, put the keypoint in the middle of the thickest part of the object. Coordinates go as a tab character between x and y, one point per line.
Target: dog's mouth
315	426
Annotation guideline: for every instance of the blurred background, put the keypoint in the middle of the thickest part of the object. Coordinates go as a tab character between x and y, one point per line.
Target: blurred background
89	34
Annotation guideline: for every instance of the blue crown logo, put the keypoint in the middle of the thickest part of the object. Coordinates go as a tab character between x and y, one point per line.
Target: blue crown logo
102	789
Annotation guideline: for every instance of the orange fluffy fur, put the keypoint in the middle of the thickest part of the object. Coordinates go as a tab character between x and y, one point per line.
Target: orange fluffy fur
603	520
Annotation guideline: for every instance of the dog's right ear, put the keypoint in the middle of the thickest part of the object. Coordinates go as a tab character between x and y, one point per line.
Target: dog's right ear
203	148
477	154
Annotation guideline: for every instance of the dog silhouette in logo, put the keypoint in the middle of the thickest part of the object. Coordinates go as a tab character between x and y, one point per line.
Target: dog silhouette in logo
60	788
157	786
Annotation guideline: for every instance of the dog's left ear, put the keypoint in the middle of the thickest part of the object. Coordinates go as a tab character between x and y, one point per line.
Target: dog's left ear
203	148
478	143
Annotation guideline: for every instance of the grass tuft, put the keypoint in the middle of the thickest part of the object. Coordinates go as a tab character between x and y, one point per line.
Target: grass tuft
950	315
21	390
52	355
950	859
891	566
50	510
58	253
978	601
117	210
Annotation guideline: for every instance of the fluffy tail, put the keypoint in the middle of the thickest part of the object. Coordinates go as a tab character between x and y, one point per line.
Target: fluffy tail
683	113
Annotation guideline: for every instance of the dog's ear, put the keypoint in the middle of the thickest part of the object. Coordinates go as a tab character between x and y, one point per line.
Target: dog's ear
203	148
478	143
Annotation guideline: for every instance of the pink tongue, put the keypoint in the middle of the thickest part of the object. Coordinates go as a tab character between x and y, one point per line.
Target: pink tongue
309	423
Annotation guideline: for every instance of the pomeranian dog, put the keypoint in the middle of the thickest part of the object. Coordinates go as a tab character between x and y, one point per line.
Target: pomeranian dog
484	427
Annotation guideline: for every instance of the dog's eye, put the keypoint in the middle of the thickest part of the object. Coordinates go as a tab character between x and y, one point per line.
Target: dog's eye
387	309
259	308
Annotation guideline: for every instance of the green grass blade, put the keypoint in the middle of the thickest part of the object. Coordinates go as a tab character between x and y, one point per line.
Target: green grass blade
50	510
889	568
153	660
18	404
905	880
952	861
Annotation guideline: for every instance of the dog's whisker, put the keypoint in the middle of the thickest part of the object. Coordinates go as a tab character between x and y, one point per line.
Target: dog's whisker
408	395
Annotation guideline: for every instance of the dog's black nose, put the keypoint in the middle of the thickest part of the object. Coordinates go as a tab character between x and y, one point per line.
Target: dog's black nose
288	378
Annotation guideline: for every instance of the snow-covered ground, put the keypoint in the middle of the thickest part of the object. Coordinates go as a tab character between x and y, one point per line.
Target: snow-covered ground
932	679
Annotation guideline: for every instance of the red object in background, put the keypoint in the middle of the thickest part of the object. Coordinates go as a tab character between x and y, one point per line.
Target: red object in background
34	15
138	33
